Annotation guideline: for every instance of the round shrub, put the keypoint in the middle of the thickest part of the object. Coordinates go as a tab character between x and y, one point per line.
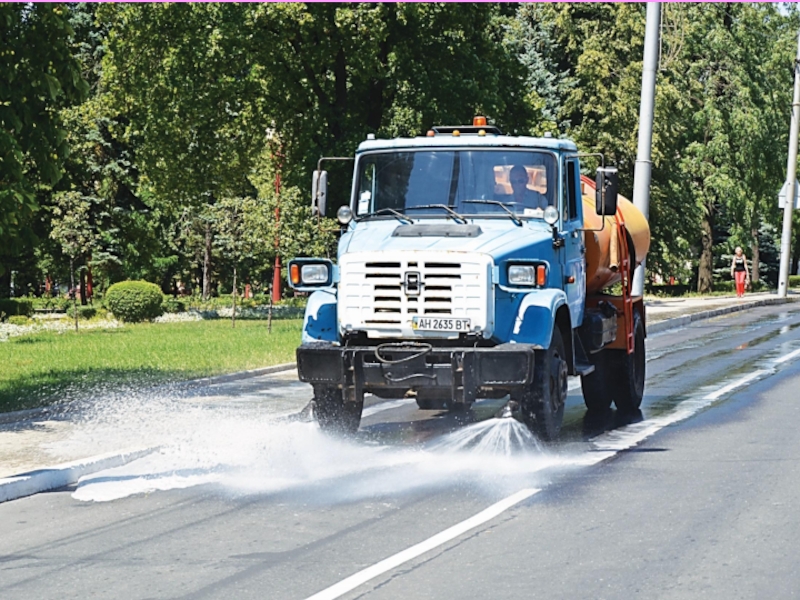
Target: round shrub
18	320
134	301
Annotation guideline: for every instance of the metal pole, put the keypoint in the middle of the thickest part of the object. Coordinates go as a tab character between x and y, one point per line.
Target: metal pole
641	174
791	175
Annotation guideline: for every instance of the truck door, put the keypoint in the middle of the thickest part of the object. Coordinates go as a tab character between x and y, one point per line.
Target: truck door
574	254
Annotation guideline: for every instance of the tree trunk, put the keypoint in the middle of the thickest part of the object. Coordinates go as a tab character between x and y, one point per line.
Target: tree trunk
704	274
795	254
73	291
82	279
207	264
233	313
754	249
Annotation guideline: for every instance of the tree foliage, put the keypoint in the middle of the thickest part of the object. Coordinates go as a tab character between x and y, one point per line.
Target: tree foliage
190	158
39	75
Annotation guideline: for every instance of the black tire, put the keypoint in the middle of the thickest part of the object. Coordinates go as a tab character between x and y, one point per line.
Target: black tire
628	383
596	387
543	405
335	415
430	401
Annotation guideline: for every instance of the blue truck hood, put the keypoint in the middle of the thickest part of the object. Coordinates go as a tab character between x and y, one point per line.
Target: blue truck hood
498	238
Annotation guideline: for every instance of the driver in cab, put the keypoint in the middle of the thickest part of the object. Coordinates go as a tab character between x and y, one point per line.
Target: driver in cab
521	194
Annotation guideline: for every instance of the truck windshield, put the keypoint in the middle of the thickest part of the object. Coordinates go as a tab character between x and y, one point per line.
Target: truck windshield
523	181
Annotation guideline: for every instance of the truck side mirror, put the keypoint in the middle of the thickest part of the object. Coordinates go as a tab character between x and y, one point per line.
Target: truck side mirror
606	192
319	193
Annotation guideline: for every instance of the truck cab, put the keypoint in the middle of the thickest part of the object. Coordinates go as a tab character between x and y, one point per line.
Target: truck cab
460	274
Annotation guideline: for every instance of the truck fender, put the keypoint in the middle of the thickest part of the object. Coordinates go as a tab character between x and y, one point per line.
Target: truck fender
536	317
319	323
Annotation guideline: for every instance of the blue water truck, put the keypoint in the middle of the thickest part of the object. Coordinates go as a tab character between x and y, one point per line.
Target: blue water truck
474	265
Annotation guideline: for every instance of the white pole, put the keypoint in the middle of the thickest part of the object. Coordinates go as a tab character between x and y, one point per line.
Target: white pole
791	175
641	175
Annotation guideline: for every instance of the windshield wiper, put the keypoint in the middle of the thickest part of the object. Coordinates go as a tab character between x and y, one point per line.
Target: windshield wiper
456	217
512	215
396	214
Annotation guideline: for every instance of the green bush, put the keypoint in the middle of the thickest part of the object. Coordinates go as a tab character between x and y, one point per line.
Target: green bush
794	281
16	306
18	320
84	312
134	301
173	305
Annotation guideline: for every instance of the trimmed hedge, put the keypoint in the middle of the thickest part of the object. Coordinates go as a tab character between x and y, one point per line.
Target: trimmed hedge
18	320
794	280
16	306
173	305
134	301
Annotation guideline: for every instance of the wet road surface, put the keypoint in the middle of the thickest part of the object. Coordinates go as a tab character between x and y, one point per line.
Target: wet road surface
694	497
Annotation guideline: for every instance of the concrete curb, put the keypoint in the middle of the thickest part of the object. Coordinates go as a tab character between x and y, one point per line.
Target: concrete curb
238	375
676	322
59	476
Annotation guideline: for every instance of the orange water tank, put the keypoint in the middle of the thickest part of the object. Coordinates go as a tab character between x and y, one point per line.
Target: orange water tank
602	247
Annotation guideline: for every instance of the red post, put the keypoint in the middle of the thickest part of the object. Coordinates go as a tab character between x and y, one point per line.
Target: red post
276	275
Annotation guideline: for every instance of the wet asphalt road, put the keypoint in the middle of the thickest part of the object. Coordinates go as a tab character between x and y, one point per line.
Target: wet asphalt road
704	507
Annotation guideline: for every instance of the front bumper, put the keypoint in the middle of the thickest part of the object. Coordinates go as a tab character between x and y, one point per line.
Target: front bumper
463	372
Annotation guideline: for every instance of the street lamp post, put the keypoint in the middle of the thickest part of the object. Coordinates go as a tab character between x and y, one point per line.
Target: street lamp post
791	174
641	175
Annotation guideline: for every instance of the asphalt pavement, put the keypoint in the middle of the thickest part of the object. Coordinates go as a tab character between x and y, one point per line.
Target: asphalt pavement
693	497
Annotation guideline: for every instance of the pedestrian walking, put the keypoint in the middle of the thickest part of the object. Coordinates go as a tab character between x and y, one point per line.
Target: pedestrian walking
739	271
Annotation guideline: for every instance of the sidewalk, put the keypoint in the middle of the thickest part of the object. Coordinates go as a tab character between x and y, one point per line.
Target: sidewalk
667	313
31	440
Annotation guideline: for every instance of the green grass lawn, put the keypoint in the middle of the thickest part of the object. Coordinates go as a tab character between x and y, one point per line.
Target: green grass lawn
40	369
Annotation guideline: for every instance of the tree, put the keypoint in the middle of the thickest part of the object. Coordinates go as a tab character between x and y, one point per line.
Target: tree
71	229
39	75
180	73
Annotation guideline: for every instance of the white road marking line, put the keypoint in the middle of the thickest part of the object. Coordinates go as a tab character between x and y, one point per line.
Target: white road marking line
736	384
352	582
787	357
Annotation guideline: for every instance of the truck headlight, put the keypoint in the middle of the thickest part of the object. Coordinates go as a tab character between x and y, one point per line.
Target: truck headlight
314	274
522	274
528	275
308	274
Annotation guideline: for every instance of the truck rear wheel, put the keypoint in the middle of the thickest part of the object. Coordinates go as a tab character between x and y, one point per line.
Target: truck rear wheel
597	387
543	404
629	384
333	413
430	400
618	376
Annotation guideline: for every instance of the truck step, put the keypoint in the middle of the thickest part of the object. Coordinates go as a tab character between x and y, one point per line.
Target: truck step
583	368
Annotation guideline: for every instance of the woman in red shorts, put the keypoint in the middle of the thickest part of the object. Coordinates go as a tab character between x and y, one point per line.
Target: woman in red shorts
739	271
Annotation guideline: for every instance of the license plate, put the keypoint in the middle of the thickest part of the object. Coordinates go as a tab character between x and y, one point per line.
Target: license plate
437	324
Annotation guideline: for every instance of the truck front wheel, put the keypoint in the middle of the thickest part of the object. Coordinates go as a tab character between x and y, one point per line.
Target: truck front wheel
543	404
333	413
